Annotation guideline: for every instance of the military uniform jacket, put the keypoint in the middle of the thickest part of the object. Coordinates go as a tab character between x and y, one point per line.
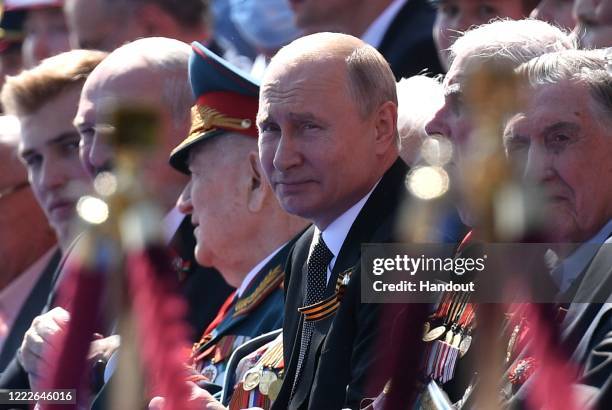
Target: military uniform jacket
203	288
340	358
259	310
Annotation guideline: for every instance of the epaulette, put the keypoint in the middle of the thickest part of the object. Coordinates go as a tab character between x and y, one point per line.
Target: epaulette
269	283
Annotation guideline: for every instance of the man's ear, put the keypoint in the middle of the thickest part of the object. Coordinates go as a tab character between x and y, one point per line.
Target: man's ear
386	127
257	184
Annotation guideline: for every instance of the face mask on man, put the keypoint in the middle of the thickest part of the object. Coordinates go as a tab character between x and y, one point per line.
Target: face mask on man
266	24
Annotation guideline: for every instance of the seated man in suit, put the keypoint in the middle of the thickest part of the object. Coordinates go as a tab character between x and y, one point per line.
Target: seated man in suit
329	147
399	29
45	99
565	150
29	256
154	72
240	228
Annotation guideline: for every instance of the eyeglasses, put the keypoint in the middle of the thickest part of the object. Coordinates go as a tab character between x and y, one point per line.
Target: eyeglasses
14	188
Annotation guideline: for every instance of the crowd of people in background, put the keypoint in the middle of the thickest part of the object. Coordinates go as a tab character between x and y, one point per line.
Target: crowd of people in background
187	186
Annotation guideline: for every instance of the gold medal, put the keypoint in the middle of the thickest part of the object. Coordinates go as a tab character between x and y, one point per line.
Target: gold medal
434	333
267	378
274	389
251	379
464	346
449	337
456	341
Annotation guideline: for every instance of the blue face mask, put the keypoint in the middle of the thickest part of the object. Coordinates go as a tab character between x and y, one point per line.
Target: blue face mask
267	24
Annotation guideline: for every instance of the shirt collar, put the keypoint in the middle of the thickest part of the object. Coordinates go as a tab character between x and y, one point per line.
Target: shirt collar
376	31
576	263
335	233
253	272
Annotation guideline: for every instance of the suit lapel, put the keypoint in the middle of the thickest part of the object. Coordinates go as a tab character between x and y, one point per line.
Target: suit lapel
382	204
594	289
32	307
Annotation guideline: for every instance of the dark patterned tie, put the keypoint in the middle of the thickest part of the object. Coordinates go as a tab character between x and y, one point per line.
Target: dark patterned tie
316	265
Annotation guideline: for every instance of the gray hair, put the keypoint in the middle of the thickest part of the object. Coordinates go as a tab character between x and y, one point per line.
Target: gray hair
419	97
511	41
587	67
371	81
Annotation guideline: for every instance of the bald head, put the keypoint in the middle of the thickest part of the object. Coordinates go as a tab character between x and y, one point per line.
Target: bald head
150	72
319	46
370	80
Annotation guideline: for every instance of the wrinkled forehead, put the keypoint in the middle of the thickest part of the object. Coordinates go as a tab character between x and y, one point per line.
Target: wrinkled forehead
455	76
563	98
565	102
307	75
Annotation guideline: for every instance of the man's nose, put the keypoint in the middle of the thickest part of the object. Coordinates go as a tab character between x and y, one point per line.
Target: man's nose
538	164
287	154
99	157
51	175
438	124
183	203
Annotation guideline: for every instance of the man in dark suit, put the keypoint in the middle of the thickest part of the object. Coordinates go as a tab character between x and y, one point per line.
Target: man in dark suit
328	145
565	149
28	257
127	76
44	99
400	29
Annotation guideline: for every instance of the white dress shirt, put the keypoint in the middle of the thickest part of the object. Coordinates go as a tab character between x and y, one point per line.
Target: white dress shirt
376	31
335	233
